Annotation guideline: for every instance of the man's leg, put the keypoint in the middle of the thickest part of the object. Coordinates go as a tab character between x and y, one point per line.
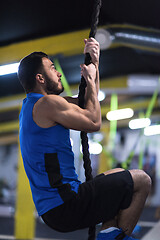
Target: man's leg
128	218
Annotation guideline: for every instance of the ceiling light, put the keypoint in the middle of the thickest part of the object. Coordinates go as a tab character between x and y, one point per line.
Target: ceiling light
97	136
104	38
120	114
94	147
101	95
142	81
9	68
75	96
137	37
152	130
139	123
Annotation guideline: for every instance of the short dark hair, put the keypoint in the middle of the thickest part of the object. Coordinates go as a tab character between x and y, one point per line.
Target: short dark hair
28	68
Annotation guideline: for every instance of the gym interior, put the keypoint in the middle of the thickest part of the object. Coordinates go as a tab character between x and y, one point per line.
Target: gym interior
129	37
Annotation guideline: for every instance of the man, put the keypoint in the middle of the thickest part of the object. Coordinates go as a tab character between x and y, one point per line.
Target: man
115	198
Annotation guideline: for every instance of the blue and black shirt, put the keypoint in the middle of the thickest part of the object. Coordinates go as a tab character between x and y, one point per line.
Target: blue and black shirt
48	159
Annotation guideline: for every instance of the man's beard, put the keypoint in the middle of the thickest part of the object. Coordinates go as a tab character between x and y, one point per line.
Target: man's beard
52	88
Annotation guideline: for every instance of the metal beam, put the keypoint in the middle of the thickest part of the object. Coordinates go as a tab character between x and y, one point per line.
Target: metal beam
67	44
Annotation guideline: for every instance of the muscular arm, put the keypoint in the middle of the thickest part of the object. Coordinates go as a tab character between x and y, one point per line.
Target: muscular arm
52	109
96	81
71	100
75	99
91	47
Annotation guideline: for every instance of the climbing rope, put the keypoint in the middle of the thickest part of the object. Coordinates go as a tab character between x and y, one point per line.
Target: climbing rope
81	103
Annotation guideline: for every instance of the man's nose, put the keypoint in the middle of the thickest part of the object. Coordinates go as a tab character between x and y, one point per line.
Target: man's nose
59	74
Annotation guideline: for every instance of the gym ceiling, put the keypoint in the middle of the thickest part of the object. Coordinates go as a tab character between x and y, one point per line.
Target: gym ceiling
58	28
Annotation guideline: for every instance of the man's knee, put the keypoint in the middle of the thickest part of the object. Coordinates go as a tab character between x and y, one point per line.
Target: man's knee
142	180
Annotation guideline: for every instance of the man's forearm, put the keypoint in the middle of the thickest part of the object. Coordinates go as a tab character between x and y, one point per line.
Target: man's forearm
92	103
96	82
97	79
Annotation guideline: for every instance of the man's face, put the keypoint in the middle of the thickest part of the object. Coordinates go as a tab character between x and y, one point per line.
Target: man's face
52	78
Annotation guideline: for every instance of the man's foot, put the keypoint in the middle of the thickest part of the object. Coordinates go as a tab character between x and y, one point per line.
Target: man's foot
117	234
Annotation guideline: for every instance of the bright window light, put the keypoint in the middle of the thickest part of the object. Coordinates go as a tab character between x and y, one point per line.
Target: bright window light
101	95
152	130
120	114
139	123
9	68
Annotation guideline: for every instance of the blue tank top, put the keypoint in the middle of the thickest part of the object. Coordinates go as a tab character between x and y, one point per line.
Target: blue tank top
48	159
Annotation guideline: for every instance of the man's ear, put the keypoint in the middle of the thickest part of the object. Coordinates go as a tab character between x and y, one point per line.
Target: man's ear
39	78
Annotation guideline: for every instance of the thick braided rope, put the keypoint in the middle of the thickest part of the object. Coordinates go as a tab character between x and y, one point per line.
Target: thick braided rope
84	138
95	17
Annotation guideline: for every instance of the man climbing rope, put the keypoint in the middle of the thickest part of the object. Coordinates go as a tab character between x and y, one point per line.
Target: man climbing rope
115	198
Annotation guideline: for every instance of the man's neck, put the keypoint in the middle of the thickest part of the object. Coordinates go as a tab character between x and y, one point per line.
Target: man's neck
40	91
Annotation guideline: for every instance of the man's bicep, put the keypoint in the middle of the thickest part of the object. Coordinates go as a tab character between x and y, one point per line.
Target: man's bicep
70	115
73	117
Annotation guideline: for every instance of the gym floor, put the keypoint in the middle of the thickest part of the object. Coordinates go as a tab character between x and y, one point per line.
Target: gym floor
146	223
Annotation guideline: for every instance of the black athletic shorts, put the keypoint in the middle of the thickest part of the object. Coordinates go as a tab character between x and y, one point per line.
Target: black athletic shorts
97	201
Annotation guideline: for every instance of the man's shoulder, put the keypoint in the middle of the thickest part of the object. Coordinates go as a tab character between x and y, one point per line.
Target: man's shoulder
49	103
49	99
44	111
